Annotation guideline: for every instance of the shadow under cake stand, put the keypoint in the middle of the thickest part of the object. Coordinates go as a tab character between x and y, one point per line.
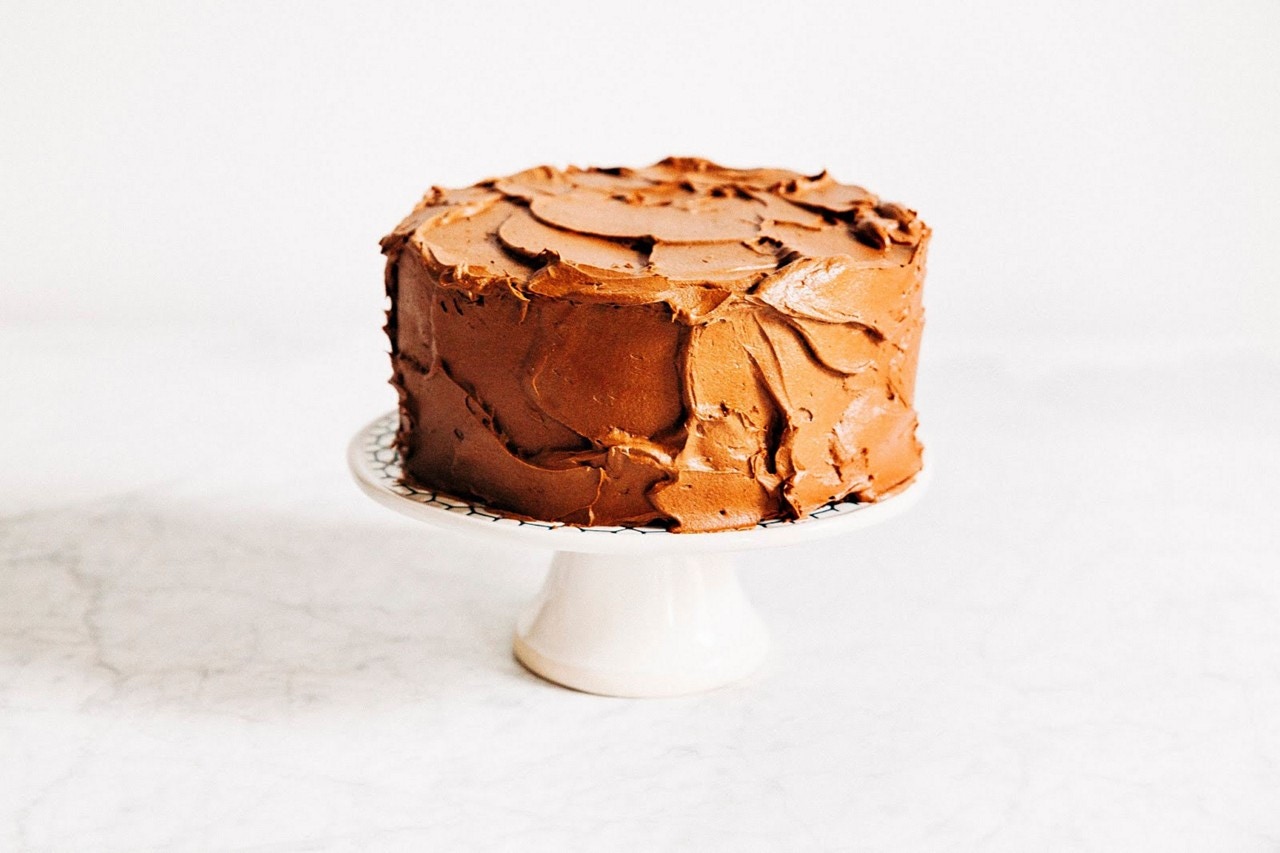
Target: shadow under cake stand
624	611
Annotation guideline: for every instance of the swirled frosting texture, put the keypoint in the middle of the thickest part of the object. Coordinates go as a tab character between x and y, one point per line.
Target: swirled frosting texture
684	344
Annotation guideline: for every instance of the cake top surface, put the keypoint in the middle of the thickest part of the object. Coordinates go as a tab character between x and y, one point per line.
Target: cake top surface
685	231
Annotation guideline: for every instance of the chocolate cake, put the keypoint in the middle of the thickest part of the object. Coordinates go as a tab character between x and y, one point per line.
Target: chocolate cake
684	345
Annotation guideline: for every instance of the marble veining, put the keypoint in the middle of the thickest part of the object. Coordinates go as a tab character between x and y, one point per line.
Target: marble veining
239	652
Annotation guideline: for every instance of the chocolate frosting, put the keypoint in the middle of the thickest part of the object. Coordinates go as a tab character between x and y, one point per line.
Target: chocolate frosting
684	344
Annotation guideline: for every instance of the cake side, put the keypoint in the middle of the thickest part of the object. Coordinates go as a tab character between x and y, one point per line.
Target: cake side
683	345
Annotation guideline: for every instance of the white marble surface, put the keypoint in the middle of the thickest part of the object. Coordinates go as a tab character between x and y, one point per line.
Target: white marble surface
209	640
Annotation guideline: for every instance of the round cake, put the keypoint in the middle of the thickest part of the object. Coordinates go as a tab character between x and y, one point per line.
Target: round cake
683	345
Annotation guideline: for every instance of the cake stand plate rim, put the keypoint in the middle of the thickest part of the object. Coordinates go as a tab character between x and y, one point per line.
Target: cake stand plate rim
372	460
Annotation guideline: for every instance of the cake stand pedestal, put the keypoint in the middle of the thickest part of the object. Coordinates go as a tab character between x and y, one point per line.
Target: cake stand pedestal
624	611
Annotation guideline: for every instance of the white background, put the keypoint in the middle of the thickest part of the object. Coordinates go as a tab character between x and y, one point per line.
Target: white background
209	642
1093	171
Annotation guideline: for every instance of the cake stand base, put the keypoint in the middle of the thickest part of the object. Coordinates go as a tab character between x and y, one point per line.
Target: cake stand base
624	611
641	626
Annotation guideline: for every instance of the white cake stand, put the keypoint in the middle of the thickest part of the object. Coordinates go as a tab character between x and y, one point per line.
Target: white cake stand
624	611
